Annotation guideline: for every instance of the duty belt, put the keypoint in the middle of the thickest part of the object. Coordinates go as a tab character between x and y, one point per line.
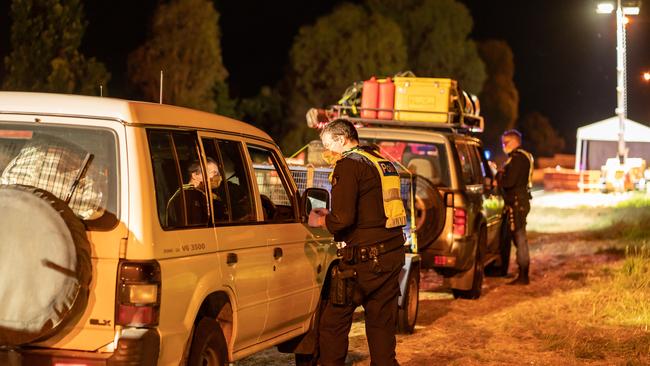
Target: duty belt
358	254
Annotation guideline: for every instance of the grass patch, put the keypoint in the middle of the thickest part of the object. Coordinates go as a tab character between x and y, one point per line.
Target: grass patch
629	220
626	299
608	318
629	223
638	200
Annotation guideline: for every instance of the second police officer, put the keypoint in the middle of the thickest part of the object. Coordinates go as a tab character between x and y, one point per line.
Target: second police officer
516	181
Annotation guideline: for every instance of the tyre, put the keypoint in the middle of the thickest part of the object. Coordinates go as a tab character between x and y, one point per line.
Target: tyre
477	281
46	266
209	347
306	360
429	212
408	313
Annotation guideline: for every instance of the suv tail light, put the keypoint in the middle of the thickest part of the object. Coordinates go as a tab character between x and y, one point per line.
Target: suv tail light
460	221
138	294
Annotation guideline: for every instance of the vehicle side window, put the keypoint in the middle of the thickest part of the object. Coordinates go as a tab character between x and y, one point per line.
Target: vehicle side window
477	164
465	161
230	187
274	193
179	180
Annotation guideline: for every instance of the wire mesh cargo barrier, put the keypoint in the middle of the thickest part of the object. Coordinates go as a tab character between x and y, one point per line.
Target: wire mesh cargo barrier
270	185
312	177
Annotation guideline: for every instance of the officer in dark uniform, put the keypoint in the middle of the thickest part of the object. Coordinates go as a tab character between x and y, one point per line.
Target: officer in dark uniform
367	214
516	180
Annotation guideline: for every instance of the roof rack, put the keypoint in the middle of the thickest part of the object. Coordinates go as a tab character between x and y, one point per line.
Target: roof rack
317	118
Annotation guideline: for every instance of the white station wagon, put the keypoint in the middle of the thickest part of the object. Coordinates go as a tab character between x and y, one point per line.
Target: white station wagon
144	234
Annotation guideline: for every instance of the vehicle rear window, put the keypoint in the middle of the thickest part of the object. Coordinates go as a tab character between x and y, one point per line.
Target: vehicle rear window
52	158
426	159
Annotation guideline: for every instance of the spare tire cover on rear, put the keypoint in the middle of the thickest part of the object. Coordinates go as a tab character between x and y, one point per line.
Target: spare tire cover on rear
45	263
430	212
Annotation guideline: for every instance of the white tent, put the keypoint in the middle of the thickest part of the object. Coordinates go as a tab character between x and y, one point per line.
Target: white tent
599	141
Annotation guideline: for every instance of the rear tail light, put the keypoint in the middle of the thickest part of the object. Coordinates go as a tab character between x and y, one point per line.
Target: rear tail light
66	361
138	294
460	221
76	362
443	261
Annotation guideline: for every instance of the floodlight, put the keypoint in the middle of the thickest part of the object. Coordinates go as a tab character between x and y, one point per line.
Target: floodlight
605	7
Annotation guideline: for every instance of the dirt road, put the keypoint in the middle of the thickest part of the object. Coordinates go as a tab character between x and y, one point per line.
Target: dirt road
561	318
508	325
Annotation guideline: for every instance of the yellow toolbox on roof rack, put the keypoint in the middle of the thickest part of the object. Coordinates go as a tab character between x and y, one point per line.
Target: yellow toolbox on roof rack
423	99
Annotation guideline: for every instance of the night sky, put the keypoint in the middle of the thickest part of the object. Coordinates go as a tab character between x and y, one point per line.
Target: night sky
564	52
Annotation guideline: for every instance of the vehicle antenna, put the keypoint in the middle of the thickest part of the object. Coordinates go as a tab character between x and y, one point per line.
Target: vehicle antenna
161	86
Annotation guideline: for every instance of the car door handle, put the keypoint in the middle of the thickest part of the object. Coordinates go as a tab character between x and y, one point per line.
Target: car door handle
231	258
277	253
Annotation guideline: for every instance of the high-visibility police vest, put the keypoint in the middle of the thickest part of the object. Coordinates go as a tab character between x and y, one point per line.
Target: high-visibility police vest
531	160
390	188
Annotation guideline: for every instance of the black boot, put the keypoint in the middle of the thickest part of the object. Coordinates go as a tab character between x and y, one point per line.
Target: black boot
522	278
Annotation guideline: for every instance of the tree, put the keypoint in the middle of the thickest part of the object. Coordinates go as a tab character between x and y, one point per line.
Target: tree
539	136
264	111
499	98
45	40
347	45
184	43
224	104
437	39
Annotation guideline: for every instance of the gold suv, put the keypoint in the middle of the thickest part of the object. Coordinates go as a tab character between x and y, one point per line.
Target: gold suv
146	234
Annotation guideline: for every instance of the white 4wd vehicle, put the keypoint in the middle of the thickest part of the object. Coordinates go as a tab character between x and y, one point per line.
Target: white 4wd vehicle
144	234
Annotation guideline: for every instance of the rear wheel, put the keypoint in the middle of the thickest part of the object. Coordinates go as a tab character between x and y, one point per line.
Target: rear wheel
209	347
408	312
477	281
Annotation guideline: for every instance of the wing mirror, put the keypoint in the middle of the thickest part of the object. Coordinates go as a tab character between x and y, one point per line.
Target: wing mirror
314	198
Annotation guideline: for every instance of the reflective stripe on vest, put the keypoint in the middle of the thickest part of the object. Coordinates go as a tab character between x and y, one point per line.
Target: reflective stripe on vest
390	188
531	160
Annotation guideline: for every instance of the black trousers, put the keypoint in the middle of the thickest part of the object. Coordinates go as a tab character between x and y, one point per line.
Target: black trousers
518	212
377	290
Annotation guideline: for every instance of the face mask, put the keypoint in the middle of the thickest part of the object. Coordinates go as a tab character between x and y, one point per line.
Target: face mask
215	181
331	157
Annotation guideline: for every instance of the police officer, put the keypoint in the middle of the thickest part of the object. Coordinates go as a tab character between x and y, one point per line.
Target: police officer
516	180
367	214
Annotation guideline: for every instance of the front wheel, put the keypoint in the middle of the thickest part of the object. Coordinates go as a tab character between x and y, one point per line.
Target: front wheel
408	312
209	347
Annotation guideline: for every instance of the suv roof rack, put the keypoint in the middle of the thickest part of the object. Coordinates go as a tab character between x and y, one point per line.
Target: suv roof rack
461	123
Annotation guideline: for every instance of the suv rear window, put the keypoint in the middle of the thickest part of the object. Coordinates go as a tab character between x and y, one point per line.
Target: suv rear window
426	159
52	158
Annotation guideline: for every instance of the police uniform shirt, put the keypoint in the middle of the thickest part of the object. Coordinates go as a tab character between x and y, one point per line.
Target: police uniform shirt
514	179
357	215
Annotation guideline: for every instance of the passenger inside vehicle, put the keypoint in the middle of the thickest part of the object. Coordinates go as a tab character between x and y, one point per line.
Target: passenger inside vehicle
194	195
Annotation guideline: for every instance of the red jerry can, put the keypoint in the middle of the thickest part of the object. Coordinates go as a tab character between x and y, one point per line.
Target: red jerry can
369	98
386	99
